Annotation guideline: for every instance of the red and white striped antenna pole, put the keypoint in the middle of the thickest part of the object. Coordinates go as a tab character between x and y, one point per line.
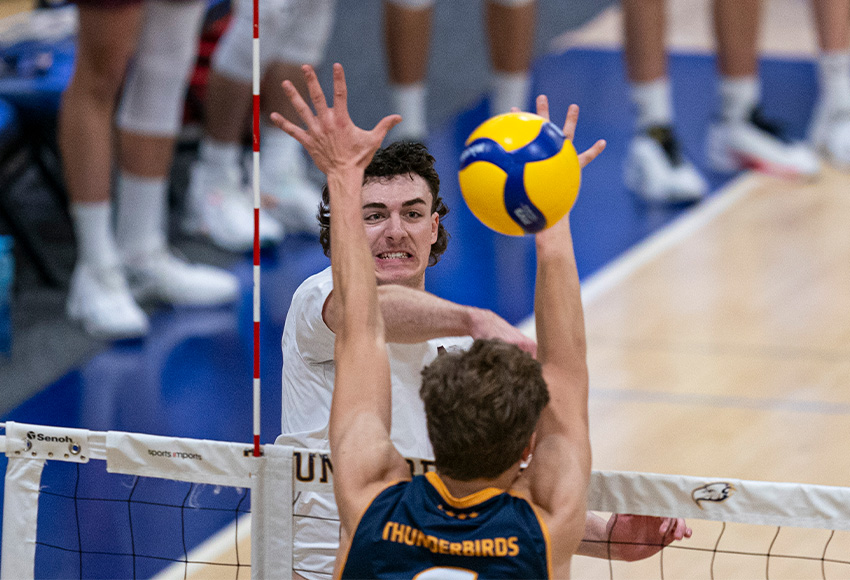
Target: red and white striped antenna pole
256	182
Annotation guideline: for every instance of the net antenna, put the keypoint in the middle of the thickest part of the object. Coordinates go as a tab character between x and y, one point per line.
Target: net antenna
256	184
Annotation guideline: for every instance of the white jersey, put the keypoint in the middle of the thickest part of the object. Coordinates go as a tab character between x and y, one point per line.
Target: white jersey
308	379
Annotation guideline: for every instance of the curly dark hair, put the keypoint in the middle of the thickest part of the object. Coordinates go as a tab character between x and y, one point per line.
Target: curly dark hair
481	407
401	158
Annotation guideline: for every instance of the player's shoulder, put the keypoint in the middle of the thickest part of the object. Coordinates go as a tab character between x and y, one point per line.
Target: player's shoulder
320	280
316	288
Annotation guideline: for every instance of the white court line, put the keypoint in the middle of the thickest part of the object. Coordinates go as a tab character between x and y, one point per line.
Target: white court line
674	233
212	550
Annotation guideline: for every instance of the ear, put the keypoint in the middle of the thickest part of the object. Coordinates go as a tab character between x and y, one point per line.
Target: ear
529	449
435	226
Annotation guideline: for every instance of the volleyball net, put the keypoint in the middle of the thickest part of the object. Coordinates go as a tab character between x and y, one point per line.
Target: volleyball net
84	504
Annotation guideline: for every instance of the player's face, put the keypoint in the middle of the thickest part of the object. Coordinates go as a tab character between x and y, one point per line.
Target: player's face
400	227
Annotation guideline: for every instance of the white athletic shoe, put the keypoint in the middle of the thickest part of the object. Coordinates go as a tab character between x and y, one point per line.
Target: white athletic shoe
757	144
656	170
294	200
829	134
160	275
101	301
224	212
288	193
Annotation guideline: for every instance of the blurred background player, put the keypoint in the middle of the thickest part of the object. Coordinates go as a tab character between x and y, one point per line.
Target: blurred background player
407	33
154	43
739	136
220	204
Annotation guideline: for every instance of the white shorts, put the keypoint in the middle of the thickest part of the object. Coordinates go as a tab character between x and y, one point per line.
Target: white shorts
291	31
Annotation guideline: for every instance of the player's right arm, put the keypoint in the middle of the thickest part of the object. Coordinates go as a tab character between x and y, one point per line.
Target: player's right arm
413	316
559	472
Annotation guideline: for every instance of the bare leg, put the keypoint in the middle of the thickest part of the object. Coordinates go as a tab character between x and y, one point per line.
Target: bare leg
106	40
645	28
145	155
407	35
736	27
510	33
832	18
227	108
274	98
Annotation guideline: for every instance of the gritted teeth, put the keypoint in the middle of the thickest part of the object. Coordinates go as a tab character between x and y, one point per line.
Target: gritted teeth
393	255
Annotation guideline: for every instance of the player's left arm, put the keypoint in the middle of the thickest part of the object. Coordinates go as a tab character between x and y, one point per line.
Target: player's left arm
364	457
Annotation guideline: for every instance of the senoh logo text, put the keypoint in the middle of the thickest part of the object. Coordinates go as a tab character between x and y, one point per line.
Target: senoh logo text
33	436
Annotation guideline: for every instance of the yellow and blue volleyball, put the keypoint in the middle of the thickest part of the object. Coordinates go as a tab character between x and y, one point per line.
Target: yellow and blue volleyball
519	174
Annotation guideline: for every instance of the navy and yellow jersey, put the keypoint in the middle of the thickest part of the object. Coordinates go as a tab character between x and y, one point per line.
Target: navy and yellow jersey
416	529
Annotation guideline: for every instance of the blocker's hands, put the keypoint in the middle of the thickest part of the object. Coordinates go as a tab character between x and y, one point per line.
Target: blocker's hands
331	138
638	537
569	129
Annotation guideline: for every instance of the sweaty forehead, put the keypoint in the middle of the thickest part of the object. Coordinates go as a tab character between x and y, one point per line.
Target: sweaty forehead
398	190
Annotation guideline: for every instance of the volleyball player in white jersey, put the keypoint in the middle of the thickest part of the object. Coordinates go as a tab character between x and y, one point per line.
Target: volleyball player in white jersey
402	211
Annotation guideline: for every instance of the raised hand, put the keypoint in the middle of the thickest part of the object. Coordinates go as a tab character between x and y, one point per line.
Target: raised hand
331	138
570	129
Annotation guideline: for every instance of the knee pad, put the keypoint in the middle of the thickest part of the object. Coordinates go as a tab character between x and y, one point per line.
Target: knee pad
291	31
412	4
155	88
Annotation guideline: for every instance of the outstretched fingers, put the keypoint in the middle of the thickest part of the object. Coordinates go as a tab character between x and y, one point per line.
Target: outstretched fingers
542	104
384	125
571	122
289	127
314	89
301	107
590	154
340	90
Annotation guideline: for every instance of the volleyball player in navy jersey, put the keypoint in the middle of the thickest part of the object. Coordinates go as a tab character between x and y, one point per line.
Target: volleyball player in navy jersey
477	515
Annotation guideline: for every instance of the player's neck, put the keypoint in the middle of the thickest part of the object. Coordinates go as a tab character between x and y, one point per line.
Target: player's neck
459	488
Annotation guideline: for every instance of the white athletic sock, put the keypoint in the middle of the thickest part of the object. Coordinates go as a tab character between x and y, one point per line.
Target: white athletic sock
738	97
653	103
280	154
509	90
141	224
220	157
409	101
93	230
834	79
